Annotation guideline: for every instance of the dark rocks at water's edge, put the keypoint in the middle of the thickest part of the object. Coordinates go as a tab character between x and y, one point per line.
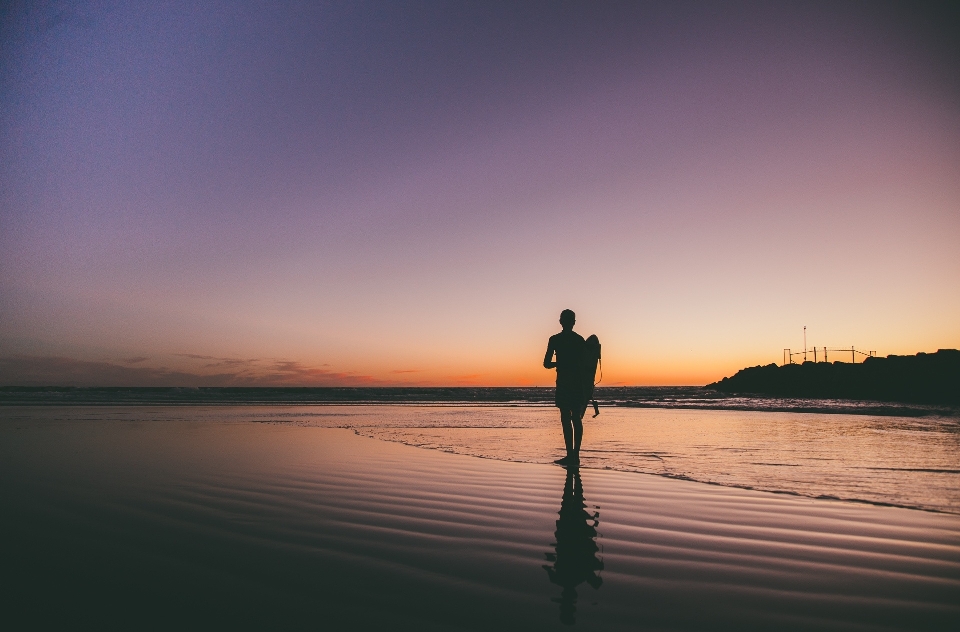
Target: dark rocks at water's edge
926	378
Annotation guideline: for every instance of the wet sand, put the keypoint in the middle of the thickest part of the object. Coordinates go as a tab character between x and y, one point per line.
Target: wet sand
119	524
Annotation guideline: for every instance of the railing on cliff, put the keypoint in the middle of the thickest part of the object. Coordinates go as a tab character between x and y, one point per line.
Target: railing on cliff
824	354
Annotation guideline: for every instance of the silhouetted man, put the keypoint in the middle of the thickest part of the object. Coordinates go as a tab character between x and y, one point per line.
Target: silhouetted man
570	399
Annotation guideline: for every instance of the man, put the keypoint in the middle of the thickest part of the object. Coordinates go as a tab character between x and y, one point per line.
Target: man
568	346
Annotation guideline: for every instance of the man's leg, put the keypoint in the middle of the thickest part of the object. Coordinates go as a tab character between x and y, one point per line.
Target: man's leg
566	420
577	433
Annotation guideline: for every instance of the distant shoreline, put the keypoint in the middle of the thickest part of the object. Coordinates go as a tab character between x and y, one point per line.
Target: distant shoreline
670	397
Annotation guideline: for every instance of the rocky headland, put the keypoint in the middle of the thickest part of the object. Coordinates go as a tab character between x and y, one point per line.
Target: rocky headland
927	378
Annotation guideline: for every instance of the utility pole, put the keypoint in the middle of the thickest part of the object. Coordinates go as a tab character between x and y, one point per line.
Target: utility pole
825	354
804	343
853	356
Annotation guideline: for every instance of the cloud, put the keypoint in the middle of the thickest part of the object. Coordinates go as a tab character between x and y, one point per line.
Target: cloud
234	363
25	370
135	360
407	371
231	362
22	370
289	371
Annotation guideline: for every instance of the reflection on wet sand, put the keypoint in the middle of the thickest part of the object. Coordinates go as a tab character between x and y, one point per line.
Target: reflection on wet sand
574	558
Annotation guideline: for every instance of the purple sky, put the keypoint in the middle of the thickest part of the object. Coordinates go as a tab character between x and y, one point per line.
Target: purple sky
352	193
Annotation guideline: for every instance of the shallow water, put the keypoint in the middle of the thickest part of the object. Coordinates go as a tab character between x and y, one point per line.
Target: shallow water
902	461
198	519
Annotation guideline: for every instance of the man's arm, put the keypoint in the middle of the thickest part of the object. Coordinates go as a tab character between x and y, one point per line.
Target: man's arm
548	362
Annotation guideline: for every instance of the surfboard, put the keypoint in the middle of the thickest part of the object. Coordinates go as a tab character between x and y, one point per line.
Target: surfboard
591	358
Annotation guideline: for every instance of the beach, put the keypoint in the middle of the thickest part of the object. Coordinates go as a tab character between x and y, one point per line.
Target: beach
300	304
114	523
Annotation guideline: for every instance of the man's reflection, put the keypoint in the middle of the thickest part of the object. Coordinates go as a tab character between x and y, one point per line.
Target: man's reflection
575	560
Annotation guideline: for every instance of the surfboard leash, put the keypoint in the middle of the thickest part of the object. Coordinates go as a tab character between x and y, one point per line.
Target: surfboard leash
596	409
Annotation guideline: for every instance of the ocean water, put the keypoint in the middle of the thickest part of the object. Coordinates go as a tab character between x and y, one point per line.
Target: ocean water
818	449
683	397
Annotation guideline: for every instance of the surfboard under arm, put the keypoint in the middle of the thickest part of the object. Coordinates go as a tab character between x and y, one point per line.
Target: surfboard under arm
591	358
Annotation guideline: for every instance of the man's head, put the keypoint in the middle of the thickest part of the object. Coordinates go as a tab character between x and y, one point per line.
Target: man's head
567	319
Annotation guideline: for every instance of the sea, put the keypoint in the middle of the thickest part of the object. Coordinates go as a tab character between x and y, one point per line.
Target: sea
883	453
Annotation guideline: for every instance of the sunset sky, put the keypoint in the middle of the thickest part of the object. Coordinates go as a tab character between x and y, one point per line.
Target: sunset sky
353	193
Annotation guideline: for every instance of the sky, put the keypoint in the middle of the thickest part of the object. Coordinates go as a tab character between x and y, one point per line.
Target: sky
381	193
